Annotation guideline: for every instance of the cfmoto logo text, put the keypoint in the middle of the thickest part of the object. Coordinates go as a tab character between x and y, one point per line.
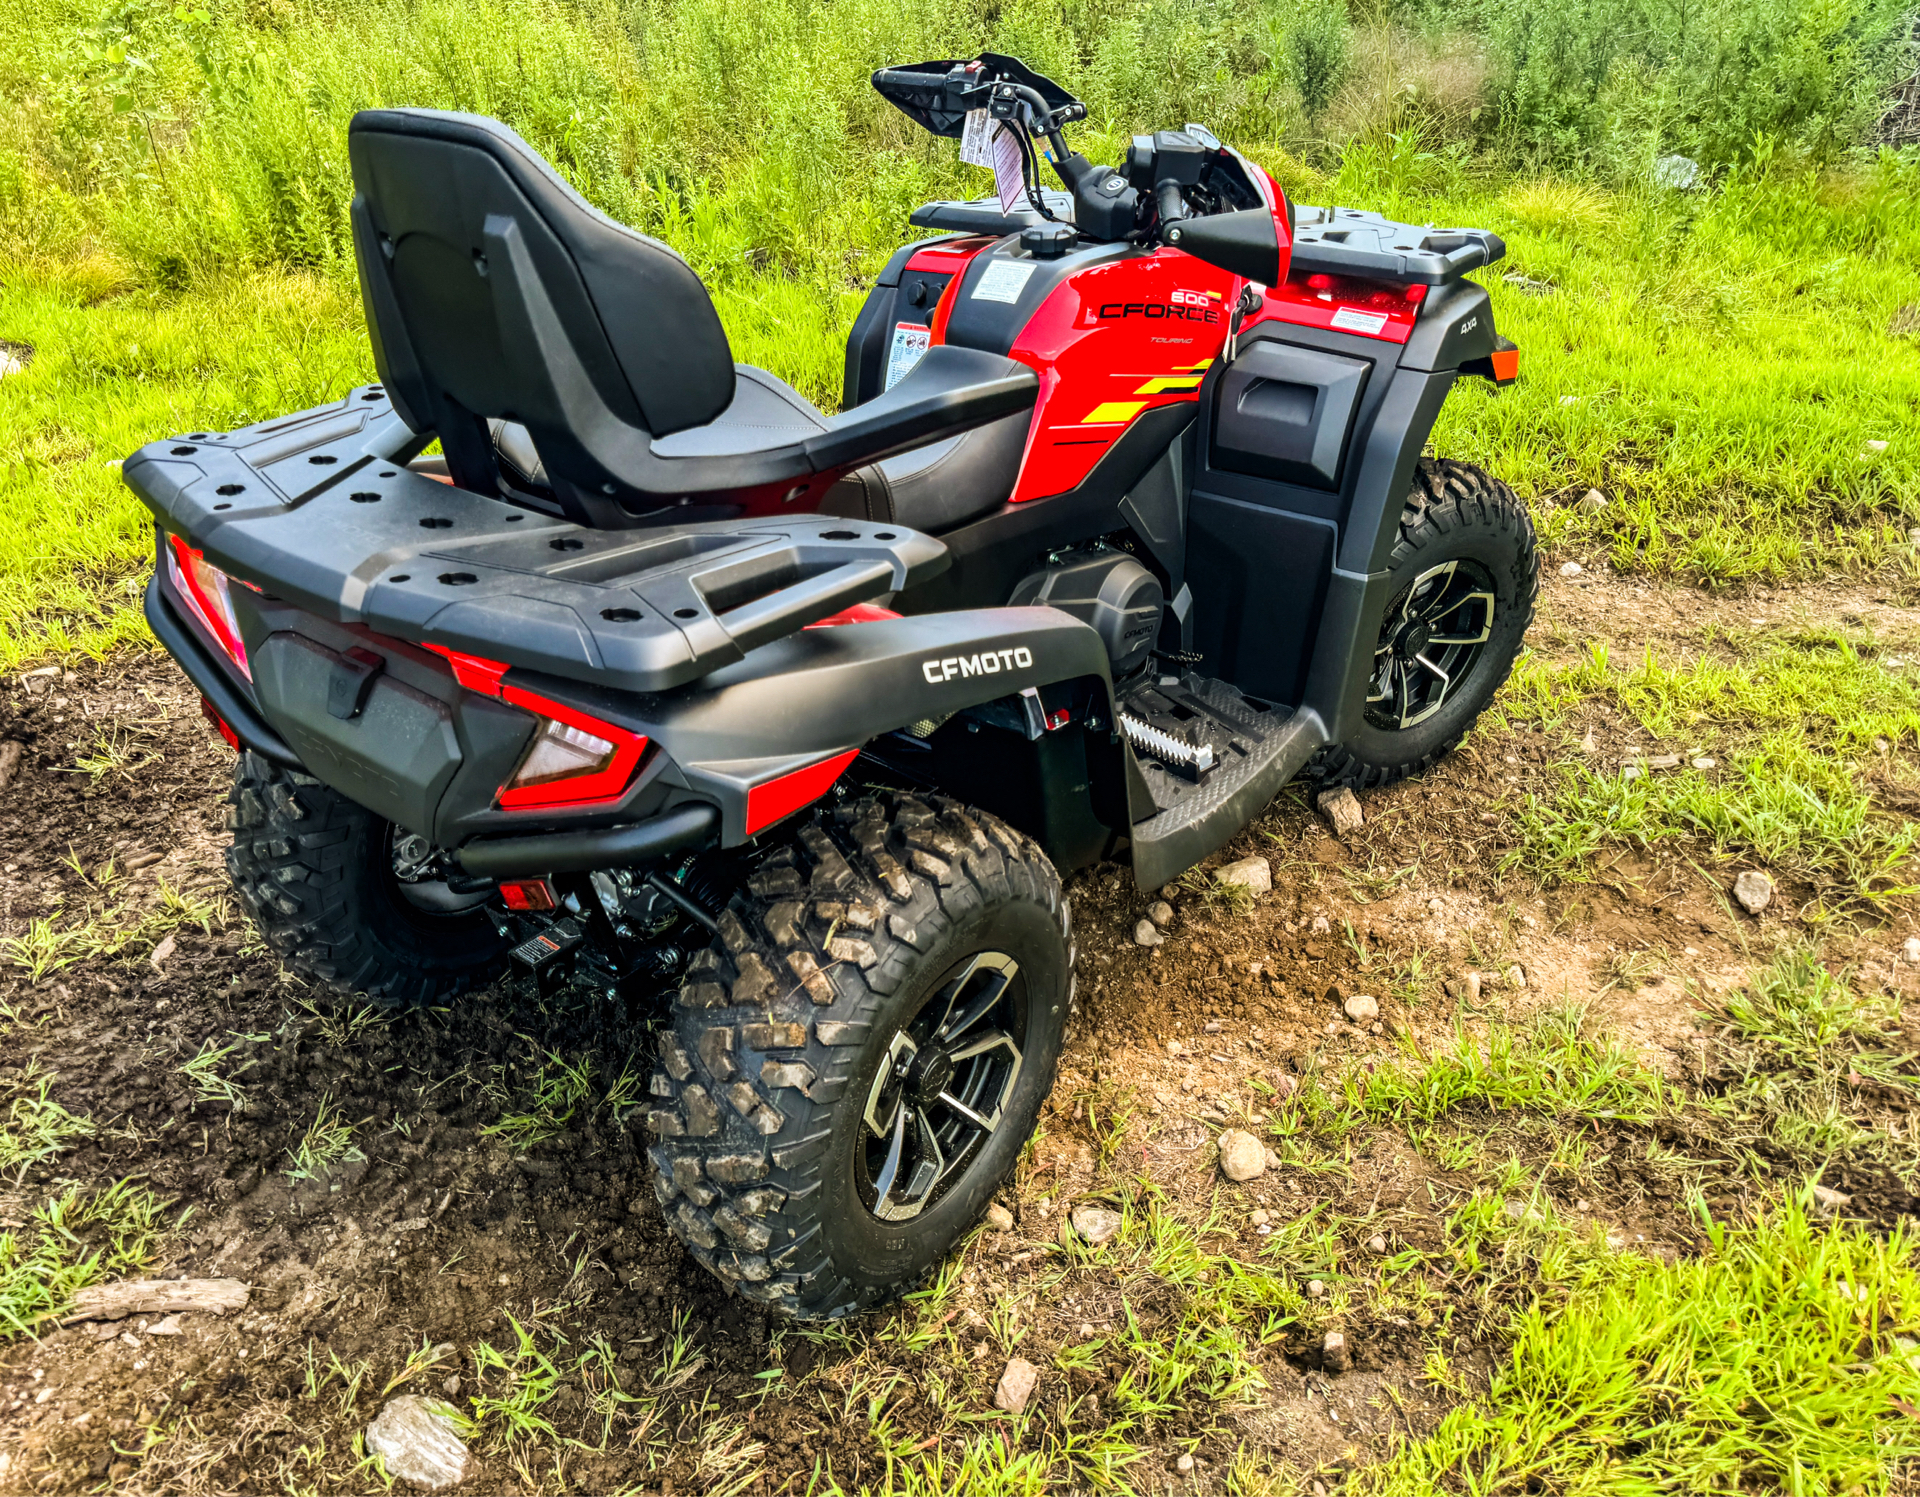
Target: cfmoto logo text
986	663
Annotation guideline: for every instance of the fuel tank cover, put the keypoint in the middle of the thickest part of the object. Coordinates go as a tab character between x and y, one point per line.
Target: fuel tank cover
1047	241
1110	591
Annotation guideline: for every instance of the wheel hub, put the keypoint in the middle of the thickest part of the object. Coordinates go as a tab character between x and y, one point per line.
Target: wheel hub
1430	641
943	1086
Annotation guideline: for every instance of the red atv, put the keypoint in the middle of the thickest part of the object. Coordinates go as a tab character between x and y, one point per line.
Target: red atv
672	689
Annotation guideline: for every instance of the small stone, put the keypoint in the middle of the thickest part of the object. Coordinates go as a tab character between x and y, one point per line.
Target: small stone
999	1218
1828	1200
1377	1244
169	1326
1259	1218
1517	975
1341	807
1676	173
1242	1156
1911	950
1334	1356
1589	744
1320	926
1362	1009
1316	1289
1592	502
1754	890
1254	874
1160	913
1169	891
1184	1463
1016	1386
1703	762
1146	933
1466	986
1873	449
1097	1224
415	1437
1571	569
13	359
1273	1160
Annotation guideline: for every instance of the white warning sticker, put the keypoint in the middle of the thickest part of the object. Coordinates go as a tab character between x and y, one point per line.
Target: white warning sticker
1003	280
1353	320
910	341
975	146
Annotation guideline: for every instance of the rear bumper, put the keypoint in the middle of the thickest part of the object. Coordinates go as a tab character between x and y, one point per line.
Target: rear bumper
214	684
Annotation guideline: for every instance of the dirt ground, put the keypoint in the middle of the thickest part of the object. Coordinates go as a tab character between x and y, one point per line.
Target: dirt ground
442	1236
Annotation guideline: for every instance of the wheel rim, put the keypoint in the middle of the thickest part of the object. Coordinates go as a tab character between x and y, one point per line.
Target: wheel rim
943	1087
1434	634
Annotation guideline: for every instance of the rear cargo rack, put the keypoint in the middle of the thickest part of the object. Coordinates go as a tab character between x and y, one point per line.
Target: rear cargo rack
321	510
1350	242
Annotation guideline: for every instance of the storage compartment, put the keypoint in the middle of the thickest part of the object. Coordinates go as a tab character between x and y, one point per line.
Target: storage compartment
891	333
1286	413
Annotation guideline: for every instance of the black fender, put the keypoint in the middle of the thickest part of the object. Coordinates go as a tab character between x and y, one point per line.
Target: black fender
823	692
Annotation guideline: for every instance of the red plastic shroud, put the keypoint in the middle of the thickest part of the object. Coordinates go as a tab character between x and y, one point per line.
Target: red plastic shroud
1115	340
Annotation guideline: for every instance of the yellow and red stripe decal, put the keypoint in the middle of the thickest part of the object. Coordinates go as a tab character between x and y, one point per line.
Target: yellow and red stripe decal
1184	379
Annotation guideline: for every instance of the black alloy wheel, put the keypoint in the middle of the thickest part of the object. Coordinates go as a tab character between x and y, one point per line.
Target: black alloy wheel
1430	640
944	1087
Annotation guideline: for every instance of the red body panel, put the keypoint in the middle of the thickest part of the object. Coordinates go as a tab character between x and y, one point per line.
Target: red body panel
1367	309
1111	342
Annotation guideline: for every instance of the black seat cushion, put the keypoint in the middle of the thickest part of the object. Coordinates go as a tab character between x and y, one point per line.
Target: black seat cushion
941	485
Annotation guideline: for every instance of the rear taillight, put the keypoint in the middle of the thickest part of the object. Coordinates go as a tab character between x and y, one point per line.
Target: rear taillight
575	760
220	725
206	591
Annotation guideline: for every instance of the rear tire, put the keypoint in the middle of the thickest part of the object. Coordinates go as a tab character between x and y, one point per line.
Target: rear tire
314	871
820	1009
1463	534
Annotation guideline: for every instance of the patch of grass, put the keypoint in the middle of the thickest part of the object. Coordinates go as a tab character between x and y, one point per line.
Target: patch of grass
1768	1364
327	1142
547	1102
37	1127
76	1239
203	1075
1793	727
52	944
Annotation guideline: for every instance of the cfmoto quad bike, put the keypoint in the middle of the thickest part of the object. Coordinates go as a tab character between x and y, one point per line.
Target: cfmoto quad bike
660	682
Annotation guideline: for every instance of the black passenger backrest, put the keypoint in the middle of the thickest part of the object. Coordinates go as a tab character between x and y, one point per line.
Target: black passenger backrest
437	197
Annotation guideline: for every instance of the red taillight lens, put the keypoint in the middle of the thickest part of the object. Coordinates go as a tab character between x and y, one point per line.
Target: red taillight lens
205	588
575	759
528	895
220	725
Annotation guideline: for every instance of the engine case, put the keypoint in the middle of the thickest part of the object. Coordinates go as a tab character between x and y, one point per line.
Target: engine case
1108	590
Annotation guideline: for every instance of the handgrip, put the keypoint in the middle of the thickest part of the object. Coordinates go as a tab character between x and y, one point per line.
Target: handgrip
792	607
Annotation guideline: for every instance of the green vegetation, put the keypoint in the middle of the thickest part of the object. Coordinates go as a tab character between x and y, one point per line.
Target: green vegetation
75	1240
327	1142
174	247
1768	1364
37	1127
547	1099
1796	734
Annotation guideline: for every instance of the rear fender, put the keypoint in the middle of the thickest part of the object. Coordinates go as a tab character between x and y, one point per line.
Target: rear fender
791	707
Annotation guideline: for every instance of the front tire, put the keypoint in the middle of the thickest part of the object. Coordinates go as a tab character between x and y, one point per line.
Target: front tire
1465	575
315	872
851	1071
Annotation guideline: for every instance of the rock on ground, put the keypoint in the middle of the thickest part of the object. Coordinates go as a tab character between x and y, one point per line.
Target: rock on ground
1754	890
1335	1357
1341	807
1095	1223
1016	1386
999	1218
1362	1009
1827	1199
1592	502
415	1437
1146	933
1253	873
1911	950
1242	1156
1160	913
1571	569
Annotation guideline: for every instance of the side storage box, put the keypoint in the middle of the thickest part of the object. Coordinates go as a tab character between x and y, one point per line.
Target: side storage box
1286	413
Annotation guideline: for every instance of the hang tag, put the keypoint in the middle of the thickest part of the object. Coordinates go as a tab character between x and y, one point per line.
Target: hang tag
976	148
1009	172
910	341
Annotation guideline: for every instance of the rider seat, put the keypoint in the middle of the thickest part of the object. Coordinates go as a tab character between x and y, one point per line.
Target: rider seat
497	297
